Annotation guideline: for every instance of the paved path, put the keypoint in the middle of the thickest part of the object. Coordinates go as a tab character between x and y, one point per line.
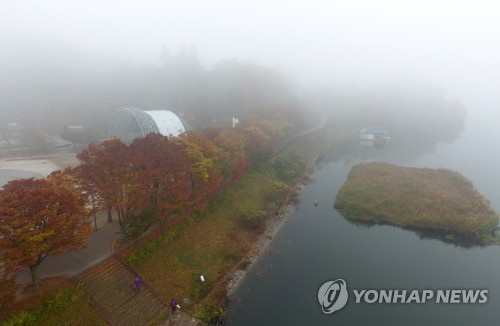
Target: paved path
99	247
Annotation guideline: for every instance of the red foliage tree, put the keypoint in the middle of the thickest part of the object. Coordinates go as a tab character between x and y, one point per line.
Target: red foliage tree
88	189
40	217
164	166
110	167
240	167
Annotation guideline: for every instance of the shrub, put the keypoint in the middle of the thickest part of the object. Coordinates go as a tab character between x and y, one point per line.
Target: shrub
138	224
276	190
53	305
289	166
211	315
252	218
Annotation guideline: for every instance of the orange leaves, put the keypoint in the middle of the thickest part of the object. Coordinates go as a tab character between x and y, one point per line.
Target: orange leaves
40	217
178	175
107	169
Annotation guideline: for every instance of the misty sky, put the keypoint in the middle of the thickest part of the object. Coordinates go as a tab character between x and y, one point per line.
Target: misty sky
452	43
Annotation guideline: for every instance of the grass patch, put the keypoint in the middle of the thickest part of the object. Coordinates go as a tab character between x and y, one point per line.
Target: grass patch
58	304
439	200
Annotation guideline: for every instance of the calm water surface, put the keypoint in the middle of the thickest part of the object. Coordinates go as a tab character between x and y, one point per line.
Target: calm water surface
317	244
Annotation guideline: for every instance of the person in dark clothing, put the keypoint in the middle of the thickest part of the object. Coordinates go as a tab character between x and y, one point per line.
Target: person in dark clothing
173	305
137	283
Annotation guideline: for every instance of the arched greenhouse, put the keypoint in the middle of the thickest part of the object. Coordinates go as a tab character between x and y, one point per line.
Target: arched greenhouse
128	123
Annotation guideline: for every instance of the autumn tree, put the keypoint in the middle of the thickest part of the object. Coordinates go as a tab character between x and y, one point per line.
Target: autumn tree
40	217
163	165
232	142
204	172
89	191
117	179
8	288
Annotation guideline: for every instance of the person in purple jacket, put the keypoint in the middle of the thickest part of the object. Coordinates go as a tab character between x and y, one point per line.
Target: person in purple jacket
173	305
137	284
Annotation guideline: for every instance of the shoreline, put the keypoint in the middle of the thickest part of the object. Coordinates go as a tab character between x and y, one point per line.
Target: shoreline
273	226
39	165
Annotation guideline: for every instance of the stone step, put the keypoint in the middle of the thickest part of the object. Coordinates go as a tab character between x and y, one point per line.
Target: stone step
110	284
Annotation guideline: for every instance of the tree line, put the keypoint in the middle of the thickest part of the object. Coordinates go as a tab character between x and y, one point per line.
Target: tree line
156	176
60	87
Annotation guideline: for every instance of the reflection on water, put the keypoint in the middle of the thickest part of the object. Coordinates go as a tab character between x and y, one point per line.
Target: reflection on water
380	144
451	239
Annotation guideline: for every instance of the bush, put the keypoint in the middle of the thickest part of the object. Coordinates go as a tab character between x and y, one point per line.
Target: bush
289	166
252	219
211	315
138	224
276	190
53	305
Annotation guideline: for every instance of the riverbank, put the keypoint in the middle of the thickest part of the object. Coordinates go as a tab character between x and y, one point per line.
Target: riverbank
417	198
222	243
273	225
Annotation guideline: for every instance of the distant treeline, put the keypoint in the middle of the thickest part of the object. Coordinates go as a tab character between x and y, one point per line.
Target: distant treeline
50	87
60	86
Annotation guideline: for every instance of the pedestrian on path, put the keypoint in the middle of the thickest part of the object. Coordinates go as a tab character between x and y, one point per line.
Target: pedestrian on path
137	284
173	305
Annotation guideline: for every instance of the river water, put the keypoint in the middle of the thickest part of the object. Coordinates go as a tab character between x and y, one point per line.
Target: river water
316	244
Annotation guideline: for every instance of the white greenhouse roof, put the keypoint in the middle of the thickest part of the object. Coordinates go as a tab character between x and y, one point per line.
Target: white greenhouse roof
168	123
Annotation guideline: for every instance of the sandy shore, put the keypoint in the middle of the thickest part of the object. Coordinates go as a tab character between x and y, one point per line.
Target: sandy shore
37	167
42	167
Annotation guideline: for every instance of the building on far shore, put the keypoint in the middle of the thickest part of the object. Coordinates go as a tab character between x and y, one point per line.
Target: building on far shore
374	134
374	137
128	123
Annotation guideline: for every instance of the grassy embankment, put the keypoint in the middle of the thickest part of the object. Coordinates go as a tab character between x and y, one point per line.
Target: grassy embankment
417	198
219	242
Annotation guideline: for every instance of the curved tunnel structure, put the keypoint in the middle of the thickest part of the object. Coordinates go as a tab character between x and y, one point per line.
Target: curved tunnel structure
128	123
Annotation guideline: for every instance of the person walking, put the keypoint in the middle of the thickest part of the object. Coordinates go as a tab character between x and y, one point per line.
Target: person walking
173	305
137	284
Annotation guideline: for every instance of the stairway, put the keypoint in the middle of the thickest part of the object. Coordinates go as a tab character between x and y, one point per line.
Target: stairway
110	285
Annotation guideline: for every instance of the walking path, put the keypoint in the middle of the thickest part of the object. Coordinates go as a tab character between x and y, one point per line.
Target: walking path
100	246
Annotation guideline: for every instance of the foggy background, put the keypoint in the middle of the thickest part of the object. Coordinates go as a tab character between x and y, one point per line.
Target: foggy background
452	45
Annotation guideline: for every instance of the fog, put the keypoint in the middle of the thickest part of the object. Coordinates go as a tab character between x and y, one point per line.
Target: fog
345	44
